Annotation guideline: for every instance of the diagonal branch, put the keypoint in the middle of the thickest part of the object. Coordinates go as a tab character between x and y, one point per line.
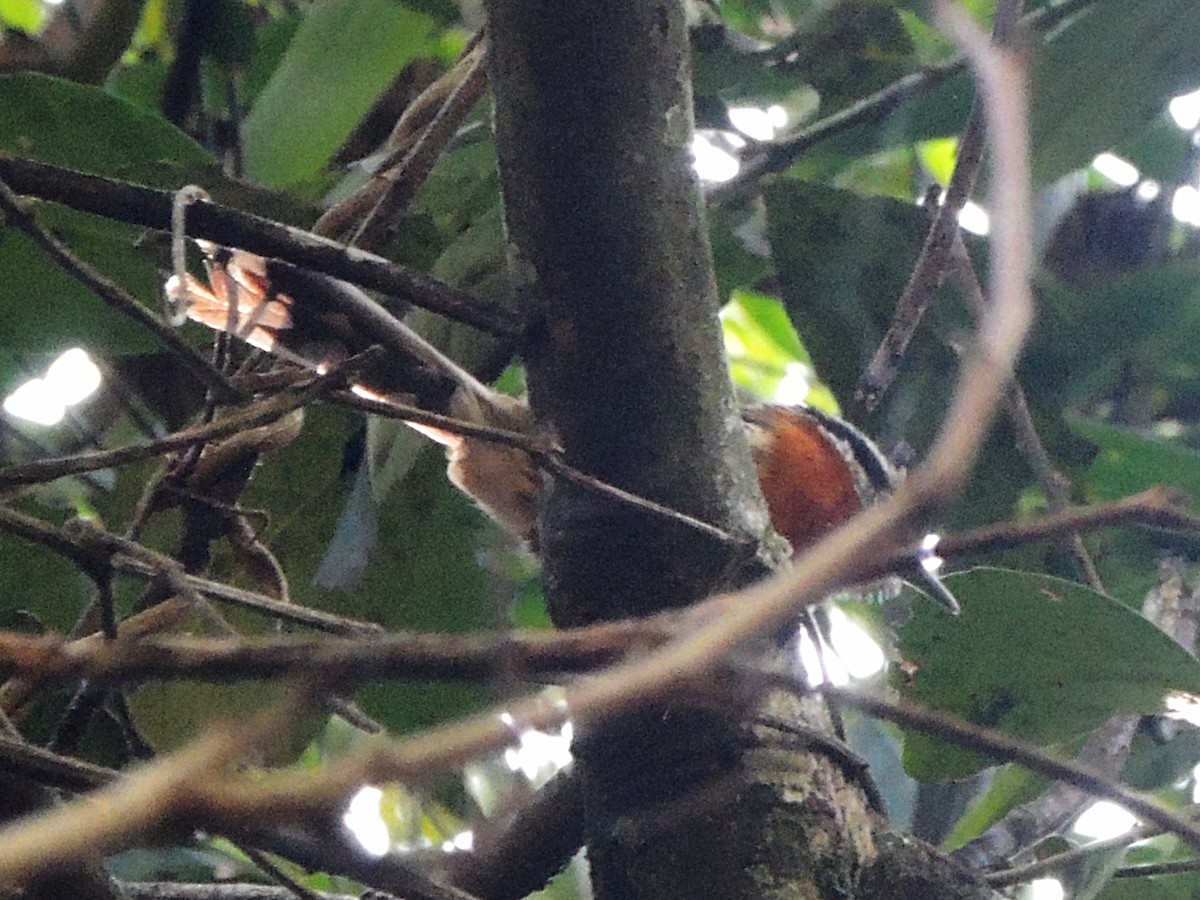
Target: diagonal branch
934	258
1003	748
233	228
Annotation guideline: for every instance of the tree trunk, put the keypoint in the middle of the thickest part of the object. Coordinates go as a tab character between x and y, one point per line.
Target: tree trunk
626	370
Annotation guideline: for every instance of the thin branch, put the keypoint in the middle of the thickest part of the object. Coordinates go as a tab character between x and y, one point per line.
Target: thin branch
345	661
113	294
251	415
935	255
172	890
131	558
1001	747
1147	870
261	603
546	457
405	178
1059	861
412	124
233	228
268	866
1054	484
929	270
51	769
779	155
1156	507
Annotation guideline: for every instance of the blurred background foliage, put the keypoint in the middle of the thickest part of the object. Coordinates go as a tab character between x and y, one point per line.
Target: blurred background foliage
277	106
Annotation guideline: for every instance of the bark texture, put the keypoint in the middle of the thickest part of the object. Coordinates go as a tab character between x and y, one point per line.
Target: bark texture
626	369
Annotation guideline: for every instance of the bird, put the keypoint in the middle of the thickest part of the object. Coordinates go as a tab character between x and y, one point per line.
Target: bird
815	470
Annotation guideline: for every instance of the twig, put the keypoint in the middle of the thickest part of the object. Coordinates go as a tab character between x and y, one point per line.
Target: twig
1146	870
252	415
265	863
184	197
233	228
1059	861
1001	747
405	178
346	661
778	156
413	122
173	890
932	263
929	270
548	458
112	294
1054	484
52	769
132	558
261	603
1156	507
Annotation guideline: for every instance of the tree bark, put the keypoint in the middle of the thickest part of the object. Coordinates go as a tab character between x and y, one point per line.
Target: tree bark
626	369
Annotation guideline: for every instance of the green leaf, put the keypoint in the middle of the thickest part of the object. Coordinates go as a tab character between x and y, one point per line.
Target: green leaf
38	587
45	311
1011	787
1185	886
1160	151
1085	336
1155	762
747	15
741	255
87	129
23	15
1038	657
760	342
938	157
1130	461
343	55
273	39
1090	92
842	260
